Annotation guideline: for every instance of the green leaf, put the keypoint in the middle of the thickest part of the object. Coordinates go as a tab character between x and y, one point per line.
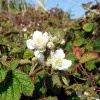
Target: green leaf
26	67
2	75
89	47
17	50
71	57
28	54
13	64
88	56
65	80
90	65
10	89
56	80
79	42
96	44
87	27
25	83
68	46
40	88
16	82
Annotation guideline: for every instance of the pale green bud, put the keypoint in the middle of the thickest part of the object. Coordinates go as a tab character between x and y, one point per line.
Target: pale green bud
51	45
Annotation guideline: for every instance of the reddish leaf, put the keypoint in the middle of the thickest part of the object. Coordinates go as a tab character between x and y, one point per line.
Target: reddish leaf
88	56
75	68
78	52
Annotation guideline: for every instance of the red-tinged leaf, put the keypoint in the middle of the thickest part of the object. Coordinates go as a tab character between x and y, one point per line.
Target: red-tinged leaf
75	68
88	56
78	52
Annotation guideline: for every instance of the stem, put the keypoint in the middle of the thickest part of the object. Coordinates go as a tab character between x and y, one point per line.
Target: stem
32	69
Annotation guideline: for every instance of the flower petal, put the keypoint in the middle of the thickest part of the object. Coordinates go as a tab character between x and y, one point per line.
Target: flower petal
30	44
36	53
60	53
36	35
45	37
41	58
79	93
66	63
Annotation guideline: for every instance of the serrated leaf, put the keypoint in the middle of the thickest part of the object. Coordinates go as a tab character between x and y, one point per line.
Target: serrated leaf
68	46
2	75
17	50
25	82
90	65
87	27
79	42
10	89
56	80
28	54
88	56
89	47
13	64
96	45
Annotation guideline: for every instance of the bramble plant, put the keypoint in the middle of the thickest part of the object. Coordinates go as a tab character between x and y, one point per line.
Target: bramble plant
48	56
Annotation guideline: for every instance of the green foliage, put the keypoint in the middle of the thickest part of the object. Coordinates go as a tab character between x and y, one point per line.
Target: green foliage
90	65
88	27
16	83
13	64
2	75
79	42
88	56
82	47
28	54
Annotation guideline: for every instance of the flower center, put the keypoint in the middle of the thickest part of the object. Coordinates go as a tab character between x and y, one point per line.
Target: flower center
58	61
38	41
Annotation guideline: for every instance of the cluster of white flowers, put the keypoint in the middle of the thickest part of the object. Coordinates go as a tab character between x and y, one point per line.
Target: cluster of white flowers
39	42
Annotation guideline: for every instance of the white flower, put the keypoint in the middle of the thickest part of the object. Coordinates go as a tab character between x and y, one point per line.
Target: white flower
58	61
39	56
38	40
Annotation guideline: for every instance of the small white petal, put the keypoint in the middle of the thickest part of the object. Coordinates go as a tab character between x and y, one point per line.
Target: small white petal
66	64
37	34
52	53
60	52
30	44
45	37
79	93
36	53
40	56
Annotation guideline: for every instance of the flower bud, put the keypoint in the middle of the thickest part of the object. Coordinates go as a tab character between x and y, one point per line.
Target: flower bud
62	42
50	45
55	39
34	59
48	62
86	93
24	29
